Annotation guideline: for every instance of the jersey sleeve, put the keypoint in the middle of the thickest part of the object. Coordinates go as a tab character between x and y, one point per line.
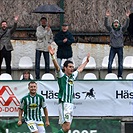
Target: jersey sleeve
21	106
59	74
75	74
43	103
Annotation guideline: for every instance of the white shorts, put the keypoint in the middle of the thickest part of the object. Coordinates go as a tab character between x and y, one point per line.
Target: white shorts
36	126
65	112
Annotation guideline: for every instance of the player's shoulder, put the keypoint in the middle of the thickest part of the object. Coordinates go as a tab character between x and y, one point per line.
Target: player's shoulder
40	96
24	97
60	73
75	72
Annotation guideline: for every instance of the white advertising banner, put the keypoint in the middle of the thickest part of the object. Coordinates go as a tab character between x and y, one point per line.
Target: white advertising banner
92	98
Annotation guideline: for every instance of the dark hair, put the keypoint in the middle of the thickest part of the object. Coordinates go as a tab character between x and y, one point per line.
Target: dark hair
3	21
43	18
32	82
26	71
67	62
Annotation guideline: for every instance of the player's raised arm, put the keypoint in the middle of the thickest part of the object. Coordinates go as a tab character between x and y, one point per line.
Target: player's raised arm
52	52
82	66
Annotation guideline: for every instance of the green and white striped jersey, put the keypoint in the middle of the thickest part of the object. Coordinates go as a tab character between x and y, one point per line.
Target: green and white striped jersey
32	107
66	86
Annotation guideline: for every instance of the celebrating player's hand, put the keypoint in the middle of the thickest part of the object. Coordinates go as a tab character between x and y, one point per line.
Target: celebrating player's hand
47	123
19	123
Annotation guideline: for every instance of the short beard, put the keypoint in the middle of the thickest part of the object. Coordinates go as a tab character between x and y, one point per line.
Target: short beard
4	28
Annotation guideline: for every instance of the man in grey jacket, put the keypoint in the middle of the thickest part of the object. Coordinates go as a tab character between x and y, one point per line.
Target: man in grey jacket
5	44
44	39
116	42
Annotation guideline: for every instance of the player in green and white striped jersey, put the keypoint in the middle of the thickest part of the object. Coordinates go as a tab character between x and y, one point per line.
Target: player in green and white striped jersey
66	89
65	83
31	105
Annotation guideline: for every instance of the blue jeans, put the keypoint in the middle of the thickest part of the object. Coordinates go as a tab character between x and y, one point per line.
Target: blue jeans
113	52
37	62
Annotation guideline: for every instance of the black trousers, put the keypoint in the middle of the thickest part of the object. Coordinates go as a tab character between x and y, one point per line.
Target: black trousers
4	54
37	62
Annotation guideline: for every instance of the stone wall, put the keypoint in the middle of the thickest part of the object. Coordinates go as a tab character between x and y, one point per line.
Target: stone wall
82	15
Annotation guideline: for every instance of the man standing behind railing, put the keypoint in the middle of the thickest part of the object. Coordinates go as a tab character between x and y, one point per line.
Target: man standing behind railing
5	43
116	42
64	40
44	39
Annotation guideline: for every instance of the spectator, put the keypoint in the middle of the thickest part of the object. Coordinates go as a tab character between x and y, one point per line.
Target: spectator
26	75
66	90
5	44
64	40
116	42
31	105
44	39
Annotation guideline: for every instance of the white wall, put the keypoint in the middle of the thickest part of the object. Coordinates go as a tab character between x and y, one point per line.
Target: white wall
80	50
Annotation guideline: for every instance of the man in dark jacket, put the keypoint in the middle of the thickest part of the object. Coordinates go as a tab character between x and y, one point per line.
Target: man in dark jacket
116	42
5	44
64	40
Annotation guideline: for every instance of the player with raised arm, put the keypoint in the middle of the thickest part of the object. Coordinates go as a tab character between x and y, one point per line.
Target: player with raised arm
66	89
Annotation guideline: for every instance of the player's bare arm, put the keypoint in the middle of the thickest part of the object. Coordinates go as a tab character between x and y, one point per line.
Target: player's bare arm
20	117
52	52
46	117
82	66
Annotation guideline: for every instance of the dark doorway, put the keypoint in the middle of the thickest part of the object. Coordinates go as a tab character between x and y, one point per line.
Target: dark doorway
130	28
129	127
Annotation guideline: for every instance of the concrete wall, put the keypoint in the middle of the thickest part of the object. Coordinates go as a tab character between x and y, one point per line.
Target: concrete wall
80	50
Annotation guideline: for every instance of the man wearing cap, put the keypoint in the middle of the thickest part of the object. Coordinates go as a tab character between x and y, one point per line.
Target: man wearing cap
64	40
116	41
